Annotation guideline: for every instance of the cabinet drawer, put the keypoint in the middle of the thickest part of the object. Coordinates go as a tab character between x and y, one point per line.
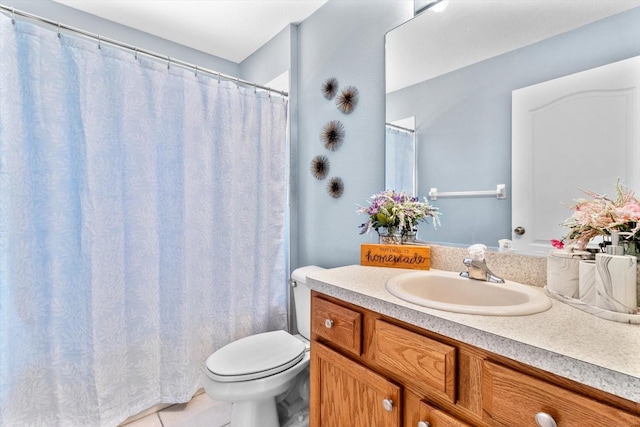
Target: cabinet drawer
436	418
512	399
418	411
340	325
423	362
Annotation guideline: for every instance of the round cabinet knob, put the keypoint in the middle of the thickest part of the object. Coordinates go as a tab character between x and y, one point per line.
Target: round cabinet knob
545	420
328	323
519	231
387	404
423	424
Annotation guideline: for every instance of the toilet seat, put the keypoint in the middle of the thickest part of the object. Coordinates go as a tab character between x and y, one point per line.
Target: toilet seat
255	356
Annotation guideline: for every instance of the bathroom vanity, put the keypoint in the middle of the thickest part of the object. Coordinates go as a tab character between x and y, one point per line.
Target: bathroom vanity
379	361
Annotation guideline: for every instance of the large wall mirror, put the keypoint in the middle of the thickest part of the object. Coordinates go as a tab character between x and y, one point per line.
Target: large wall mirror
455	73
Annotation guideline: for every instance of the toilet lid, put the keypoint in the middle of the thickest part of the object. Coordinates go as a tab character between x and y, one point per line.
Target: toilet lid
255	356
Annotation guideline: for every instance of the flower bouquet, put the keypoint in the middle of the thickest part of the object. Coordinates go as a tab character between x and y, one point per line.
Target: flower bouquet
600	215
395	216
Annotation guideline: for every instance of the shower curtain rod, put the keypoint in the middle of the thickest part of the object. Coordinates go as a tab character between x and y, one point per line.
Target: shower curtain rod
400	128
136	50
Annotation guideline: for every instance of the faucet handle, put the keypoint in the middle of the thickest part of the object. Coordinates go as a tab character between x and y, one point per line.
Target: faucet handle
477	251
477	266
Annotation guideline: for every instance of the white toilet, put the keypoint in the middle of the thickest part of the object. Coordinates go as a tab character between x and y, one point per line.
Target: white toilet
251	372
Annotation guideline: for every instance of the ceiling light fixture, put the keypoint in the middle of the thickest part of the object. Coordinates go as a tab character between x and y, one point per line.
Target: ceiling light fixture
440	6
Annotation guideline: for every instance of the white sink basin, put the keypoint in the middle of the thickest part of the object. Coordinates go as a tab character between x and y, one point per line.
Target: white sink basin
446	290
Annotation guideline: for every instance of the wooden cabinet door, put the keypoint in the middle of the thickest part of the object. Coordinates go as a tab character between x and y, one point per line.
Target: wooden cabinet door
346	394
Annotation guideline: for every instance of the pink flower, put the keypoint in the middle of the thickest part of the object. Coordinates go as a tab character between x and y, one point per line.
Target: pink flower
601	215
629	212
558	244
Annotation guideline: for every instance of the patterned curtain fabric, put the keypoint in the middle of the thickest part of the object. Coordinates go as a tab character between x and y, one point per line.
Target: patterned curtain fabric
142	227
400	158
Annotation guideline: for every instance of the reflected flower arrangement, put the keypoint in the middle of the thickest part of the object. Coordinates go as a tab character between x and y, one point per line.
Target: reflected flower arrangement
400	211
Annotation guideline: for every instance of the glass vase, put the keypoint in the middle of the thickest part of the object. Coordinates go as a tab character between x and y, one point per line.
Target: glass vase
631	247
389	236
409	236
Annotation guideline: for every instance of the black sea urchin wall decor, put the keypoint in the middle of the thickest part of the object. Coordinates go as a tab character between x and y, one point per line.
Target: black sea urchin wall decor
329	87
335	187
320	167
332	135
347	99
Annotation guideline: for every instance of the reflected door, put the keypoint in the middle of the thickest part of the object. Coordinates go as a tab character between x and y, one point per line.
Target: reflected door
578	132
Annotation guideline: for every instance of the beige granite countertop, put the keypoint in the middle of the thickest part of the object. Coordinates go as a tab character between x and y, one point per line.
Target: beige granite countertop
562	340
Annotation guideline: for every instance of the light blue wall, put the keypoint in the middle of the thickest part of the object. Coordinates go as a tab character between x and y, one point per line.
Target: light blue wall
343	39
58	12
463	121
271	60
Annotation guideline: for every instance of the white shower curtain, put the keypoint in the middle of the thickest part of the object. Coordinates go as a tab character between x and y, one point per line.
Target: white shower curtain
142	226
400	159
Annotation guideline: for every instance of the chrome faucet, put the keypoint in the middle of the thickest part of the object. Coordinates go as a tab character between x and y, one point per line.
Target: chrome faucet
477	266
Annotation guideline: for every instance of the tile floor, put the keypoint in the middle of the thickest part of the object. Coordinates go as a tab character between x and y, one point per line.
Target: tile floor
201	411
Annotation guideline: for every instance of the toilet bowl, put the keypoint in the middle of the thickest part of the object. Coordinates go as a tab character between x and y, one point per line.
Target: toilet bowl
251	372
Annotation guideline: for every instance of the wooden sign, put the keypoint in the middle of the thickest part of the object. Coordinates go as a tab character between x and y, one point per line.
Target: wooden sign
398	256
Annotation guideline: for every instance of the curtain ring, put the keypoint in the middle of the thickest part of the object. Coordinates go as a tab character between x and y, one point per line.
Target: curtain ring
237	82
58	29
196	71
218	78
13	16
168	62
269	92
135	53
99	45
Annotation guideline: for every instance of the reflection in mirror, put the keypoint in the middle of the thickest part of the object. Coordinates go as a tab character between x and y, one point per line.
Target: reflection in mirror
400	156
593	119
456	71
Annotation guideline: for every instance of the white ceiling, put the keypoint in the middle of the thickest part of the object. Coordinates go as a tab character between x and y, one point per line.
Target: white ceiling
469	31
466	32
229	29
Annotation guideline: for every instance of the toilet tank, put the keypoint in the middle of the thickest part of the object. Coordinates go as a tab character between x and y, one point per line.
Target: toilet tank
302	299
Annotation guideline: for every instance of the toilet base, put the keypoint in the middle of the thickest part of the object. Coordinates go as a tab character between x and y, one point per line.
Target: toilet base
261	413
